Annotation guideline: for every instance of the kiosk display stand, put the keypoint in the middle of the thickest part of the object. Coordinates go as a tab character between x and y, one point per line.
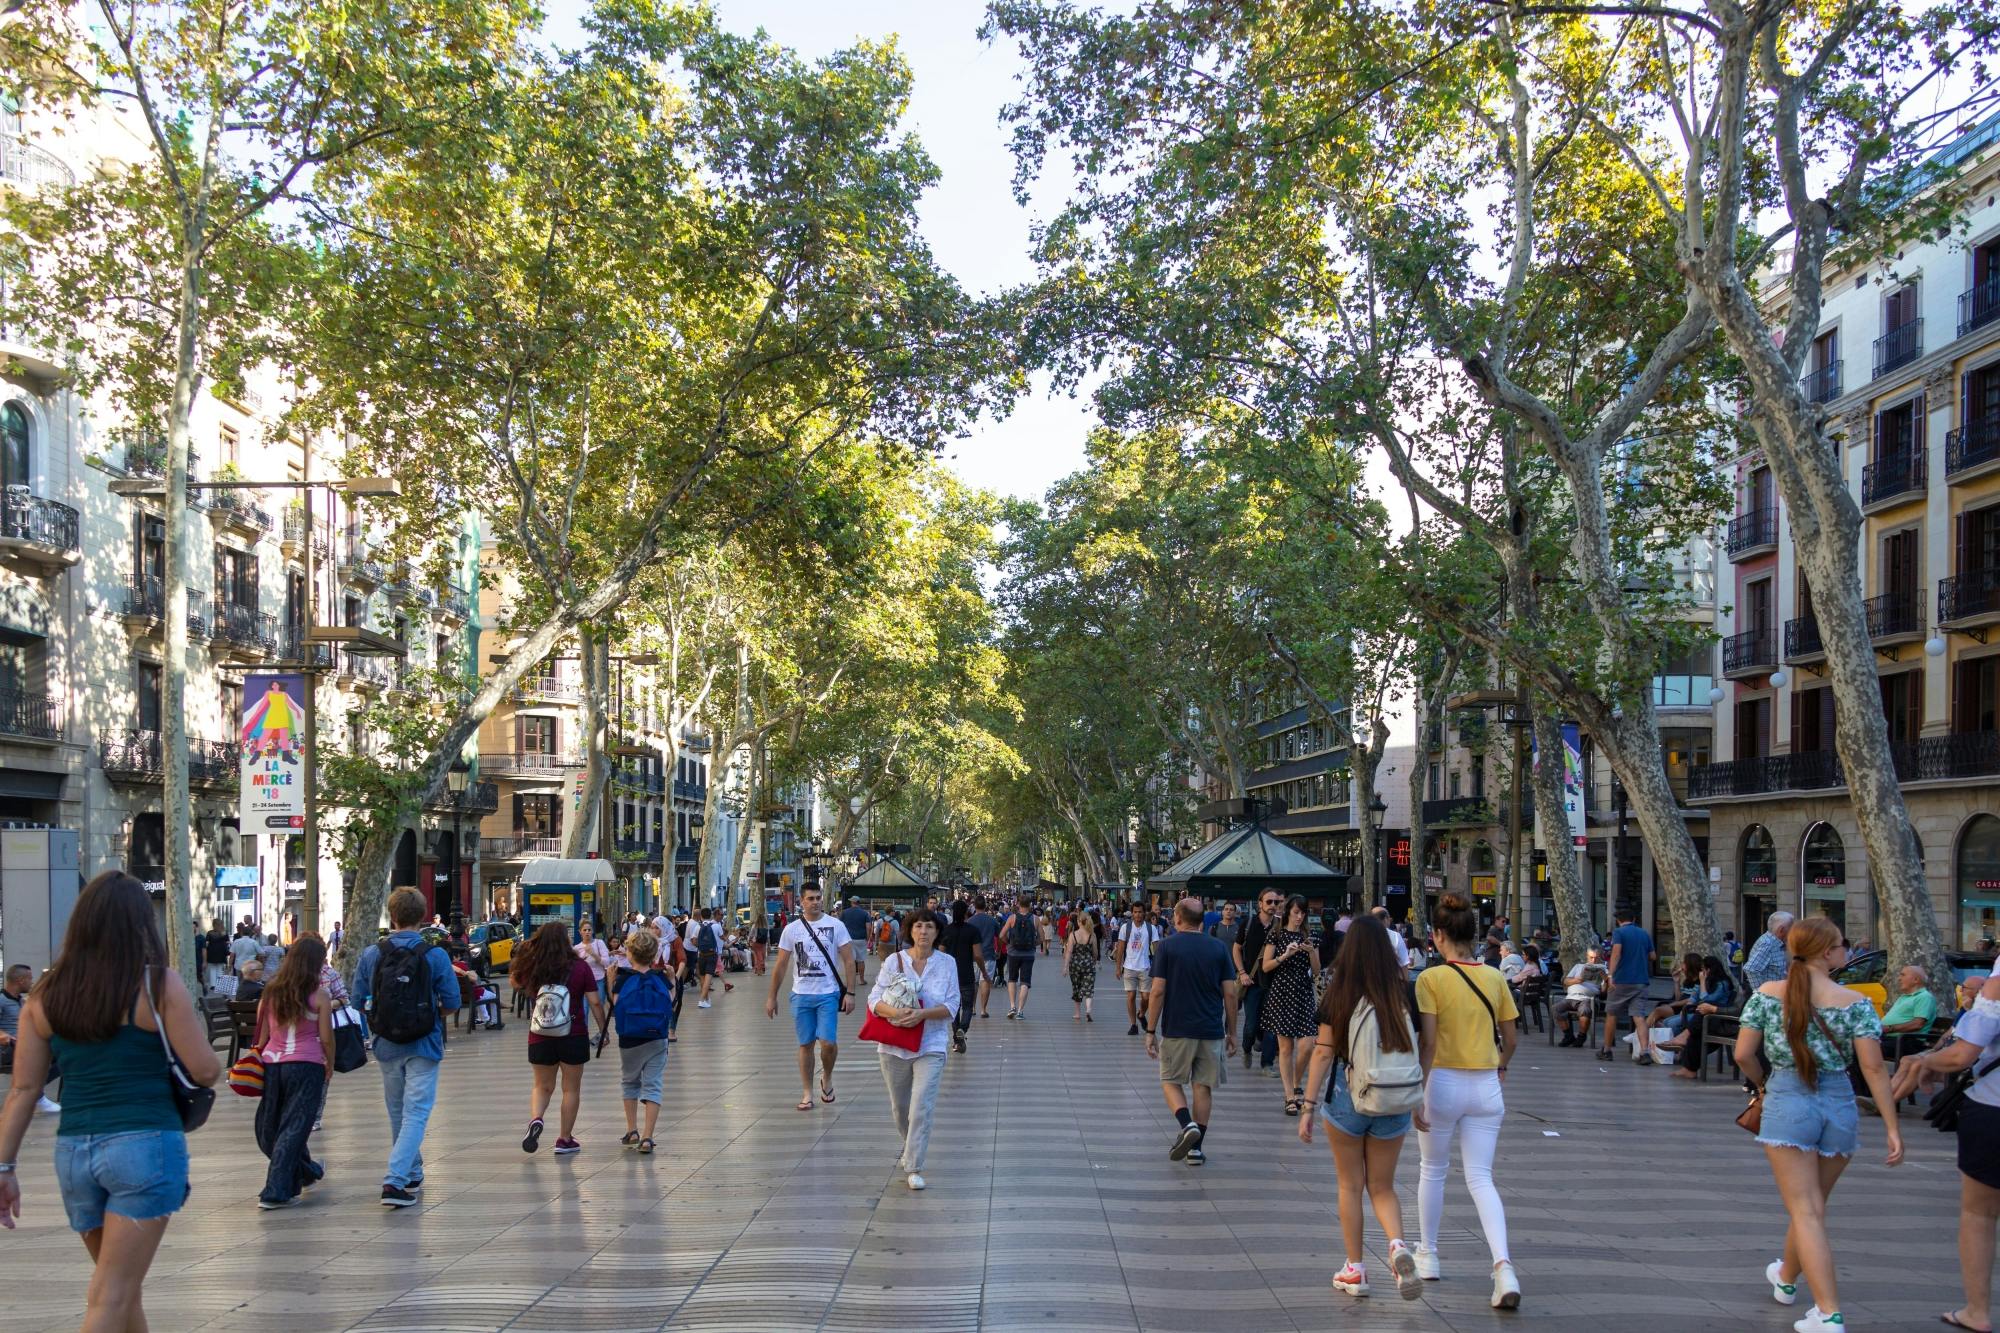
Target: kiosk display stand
561	890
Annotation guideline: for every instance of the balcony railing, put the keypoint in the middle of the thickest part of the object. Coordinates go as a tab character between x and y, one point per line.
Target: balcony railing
135	756
1972	444
1971	754
23	163
244	627
1968	596
145	453
1754	650
454	602
638	849
549	689
479	798
1748	531
293	647
1893	475
240	508
1458	810
146	601
1895	614
28	713
690	791
638	780
1899	347
369	670
47	524
518	846
1822	385
1802	638
530	763
1979	306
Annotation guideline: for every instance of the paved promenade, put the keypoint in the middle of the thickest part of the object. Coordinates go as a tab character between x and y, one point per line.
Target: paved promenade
1634	1204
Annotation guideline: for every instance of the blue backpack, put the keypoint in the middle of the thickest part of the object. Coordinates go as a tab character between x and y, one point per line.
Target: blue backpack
643	1007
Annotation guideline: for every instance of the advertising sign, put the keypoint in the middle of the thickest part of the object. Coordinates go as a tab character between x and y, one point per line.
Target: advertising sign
1572	782
753	858
272	794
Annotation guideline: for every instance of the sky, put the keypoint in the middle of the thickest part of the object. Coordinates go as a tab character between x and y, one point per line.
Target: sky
970	218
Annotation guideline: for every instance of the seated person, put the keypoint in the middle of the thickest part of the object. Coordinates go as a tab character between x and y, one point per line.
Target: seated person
1511	963
1687	979
1585	983
1715	993
477	996
1914	1008
1531	966
249	981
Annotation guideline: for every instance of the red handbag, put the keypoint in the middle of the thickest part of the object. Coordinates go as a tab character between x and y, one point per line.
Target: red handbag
879	1029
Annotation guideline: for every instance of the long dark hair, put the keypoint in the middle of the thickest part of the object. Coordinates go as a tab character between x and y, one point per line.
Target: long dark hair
1297	900
1690	969
1368	971
544	960
1714	972
298	977
111	940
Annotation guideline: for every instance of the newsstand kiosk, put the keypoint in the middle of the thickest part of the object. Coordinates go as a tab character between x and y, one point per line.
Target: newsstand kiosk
561	890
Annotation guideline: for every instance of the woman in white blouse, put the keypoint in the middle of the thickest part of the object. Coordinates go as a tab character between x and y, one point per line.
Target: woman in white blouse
594	951
913	1076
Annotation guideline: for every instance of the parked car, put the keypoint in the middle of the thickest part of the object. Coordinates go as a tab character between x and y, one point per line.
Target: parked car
1869	972
490	946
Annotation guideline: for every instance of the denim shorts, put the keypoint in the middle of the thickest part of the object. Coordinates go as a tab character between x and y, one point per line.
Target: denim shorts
1823	1119
1338	1111
140	1174
816	1017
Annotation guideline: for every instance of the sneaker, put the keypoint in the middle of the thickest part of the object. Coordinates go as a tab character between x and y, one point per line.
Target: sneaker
1427	1264
272	1205
1818	1321
704	1004
414	1186
47	1107
1506	1287
1352	1279
1195	1157
1643	1060
1184	1142
1783	1292
533	1140
1403	1263
564	1147
393	1197
914	1180
1132	1031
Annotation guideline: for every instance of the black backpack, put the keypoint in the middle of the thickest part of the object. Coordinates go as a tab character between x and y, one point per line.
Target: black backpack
1021	935
402	1007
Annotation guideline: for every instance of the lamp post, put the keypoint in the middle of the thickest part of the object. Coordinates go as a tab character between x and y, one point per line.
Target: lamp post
455	778
1377	858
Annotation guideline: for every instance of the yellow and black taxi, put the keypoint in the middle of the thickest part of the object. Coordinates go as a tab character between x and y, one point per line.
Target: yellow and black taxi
490	946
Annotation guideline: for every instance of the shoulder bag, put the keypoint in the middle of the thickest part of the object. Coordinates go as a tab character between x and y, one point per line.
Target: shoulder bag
192	1100
879	1029
350	1048
1949	1102
831	965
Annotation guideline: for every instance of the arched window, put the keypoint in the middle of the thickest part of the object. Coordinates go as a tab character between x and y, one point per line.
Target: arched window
1977	876
15	455
1760	858
1823	872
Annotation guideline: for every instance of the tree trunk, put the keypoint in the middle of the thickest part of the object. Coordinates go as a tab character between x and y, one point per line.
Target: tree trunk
175	812
1366	759
1553	833
586	830
752	819
1632	744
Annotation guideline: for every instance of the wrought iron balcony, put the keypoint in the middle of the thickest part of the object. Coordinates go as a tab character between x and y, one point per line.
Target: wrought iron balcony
1459	810
244	627
293	647
519	846
239	509
1822	385
1972	445
145	453
1894	475
1754	531
690	791
454	602
1802	639
529	764
44	532
1895	615
1899	346
1980	305
1969	754
547	689
637	849
1969	598
1749	654
146	602
28	714
23	163
135	757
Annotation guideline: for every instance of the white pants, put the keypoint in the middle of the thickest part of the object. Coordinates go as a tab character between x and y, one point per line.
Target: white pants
1466	1103
913	1090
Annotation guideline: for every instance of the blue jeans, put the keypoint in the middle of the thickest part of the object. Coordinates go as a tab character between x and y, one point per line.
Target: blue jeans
1267	1043
409	1089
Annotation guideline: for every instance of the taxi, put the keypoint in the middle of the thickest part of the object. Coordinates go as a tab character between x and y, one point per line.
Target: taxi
490	946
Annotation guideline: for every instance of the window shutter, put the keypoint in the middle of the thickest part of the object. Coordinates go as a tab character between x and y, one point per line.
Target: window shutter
517	813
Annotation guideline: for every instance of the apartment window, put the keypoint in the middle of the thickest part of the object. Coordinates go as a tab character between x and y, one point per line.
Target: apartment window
1902	339
232	447
1757	607
1976	695
350	611
1896	432
149	548
1431	786
1753	728
146	681
235	577
1454	784
232	706
1903	706
1478	780
1812	721
1981	388
1979	540
357	733
16	459
538	735
1899	565
441	655
1826	350
1762	493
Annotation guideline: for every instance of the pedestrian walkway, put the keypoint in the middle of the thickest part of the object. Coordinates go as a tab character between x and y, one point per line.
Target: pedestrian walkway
1633	1203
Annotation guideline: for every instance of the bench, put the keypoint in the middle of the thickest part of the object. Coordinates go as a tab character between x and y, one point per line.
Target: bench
1533	999
242	1028
1716	1031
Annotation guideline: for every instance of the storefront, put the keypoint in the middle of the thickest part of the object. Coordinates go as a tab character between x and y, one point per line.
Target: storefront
1757	881
1823	875
1976	880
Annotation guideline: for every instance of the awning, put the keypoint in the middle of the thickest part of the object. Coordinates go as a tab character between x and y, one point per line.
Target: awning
888	878
1243	862
557	870
236	877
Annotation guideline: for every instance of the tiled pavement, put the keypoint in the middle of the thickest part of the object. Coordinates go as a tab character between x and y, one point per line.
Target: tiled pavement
1633	1202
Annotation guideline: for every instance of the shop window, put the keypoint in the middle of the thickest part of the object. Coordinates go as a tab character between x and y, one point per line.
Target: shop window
1823	863
16	457
1759	864
1976	875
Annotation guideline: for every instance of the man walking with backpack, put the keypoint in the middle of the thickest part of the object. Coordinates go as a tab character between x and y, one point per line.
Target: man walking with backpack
1192	1012
405	988
1023	938
704	941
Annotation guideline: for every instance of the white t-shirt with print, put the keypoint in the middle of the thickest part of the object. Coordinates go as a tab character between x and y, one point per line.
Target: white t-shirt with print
1138	941
810	974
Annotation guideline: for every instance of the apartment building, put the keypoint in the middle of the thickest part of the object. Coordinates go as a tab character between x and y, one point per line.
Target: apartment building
1917	409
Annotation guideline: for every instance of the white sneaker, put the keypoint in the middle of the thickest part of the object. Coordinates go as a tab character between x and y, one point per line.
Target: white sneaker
1353	1279
47	1107
1427	1264
1403	1263
1506	1287
704	1004
1819	1321
915	1181
1783	1292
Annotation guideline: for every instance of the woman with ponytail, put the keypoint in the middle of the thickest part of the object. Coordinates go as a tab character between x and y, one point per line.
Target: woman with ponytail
1812	1032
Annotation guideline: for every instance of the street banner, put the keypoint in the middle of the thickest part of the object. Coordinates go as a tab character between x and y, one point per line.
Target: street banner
753	860
1572	782
272	795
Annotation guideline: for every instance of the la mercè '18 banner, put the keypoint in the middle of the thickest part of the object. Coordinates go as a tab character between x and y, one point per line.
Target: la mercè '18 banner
273	736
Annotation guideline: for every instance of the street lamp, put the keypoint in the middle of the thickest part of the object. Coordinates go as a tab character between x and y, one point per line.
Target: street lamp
1379	861
455	778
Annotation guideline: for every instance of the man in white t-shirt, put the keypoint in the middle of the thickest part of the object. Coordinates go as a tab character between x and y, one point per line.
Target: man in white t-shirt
1585	983
820	952
1396	940
1136	938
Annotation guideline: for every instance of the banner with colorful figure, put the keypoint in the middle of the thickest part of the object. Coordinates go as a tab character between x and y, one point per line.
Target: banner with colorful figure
272	798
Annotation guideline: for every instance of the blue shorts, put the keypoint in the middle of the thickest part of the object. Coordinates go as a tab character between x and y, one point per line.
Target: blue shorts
1822	1119
1338	1111
816	1017
140	1174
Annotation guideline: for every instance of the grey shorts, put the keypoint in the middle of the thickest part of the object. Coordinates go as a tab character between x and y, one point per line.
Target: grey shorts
1136	979
1193	1060
643	1071
1627	1000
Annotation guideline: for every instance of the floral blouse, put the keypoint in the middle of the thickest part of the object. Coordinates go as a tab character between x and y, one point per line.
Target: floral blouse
1766	1013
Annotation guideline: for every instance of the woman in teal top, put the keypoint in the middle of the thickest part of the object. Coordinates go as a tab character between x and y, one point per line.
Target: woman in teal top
121	1158
1812	1031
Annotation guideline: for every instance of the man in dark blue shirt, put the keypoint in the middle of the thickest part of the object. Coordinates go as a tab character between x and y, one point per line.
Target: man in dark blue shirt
409	1068
1632	958
1191	1014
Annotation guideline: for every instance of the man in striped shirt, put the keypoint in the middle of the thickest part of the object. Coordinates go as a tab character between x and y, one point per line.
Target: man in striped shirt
1768	960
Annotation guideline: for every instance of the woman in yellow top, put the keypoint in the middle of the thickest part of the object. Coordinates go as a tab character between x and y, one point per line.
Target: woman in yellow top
1467	1014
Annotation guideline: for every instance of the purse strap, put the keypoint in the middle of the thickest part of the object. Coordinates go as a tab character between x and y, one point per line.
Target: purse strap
1484	1003
831	966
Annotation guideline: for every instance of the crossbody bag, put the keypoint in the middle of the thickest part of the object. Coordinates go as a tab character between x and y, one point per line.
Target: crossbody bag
831	965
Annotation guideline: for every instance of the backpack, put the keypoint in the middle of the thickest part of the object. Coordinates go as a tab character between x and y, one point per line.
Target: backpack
643	1006
402	1006
1021	935
705	942
1380	1082
551	1016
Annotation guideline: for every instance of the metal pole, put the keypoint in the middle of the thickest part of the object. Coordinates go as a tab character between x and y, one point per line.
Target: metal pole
311	666
1512	898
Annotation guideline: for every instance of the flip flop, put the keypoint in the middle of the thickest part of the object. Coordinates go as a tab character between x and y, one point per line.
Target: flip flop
1953	1321
806	1104
825	1092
